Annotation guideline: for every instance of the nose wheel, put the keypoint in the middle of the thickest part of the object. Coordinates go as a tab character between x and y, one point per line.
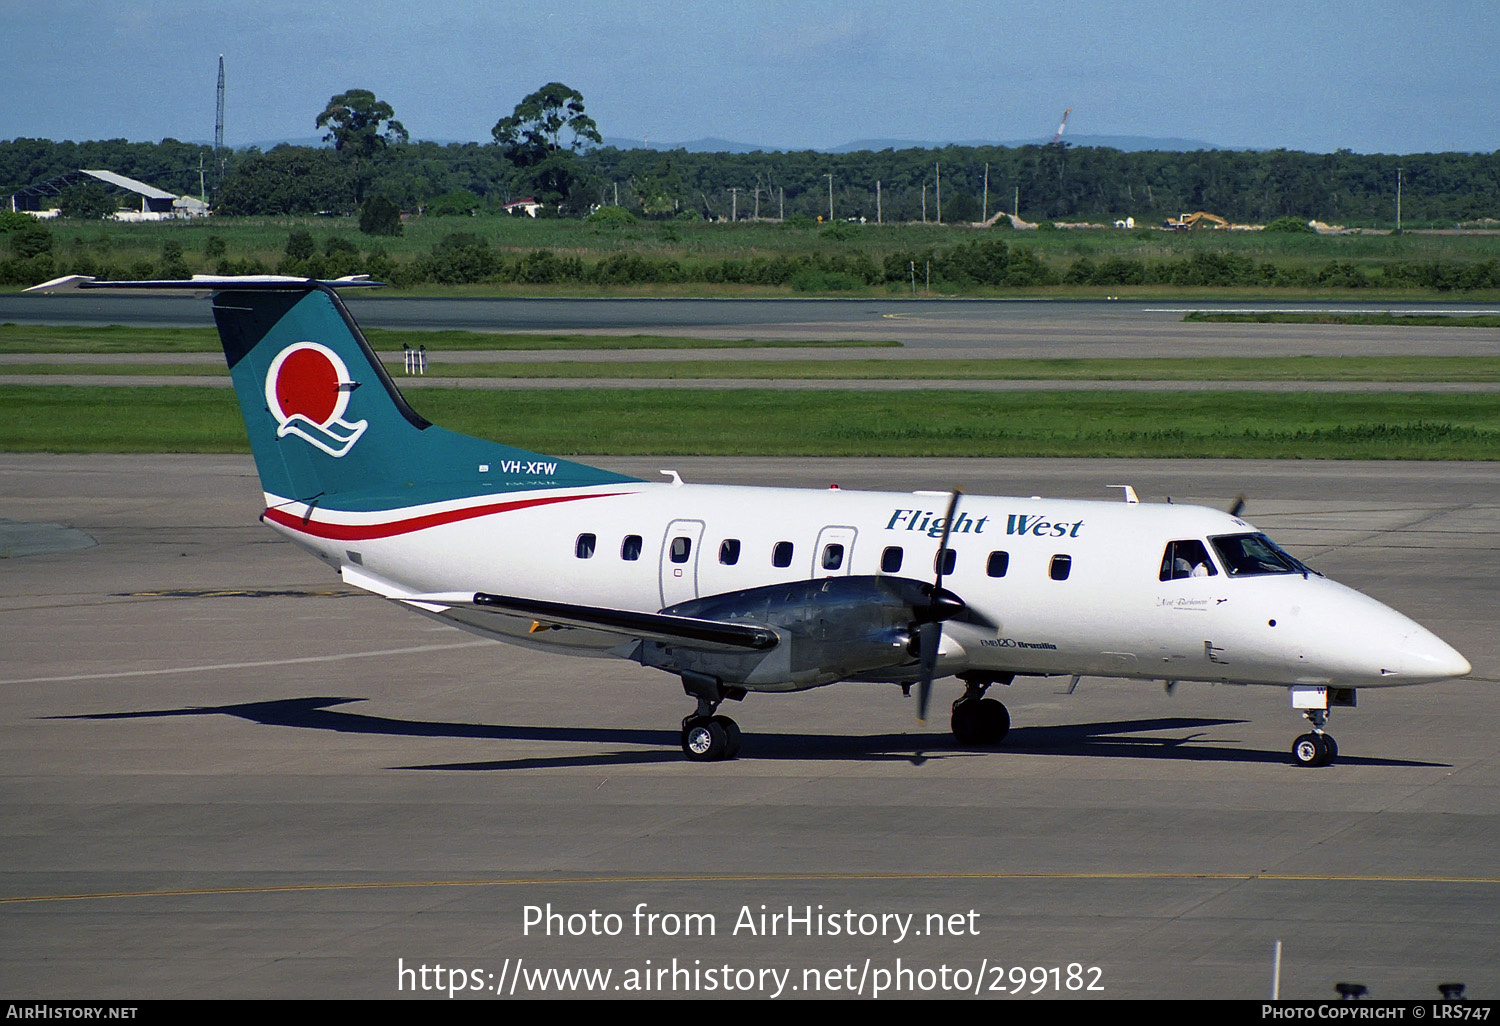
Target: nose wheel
1314	749
1317	747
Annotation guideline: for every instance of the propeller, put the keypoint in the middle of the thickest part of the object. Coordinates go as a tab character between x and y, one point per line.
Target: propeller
941	605
1237	506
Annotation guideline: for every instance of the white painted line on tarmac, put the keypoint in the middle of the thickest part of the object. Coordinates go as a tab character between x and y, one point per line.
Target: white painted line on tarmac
207	667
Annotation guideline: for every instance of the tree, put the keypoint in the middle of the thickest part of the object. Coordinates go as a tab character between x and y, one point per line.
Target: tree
532	136
288	180
88	201
1291	226
533	129
300	245
32	239
379	216
354	121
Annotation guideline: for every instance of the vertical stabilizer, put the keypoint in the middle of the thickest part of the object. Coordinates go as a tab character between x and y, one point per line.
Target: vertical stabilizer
324	418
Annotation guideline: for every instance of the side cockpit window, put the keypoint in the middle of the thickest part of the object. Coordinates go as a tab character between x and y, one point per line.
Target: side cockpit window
1186	559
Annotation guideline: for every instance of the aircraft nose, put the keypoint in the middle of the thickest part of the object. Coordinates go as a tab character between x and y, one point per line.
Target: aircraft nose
1422	656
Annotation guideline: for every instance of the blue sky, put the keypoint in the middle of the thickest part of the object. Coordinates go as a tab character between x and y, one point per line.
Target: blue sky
1371	76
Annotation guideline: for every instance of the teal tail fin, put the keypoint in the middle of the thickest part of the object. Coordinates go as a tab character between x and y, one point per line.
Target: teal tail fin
325	418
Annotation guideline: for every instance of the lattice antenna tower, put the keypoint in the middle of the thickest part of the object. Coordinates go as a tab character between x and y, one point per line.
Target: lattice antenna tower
219	130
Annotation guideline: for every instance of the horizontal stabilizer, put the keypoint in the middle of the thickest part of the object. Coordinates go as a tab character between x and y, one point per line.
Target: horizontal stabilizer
201	284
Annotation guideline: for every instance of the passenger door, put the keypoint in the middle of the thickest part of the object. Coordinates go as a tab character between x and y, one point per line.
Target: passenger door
680	548
833	556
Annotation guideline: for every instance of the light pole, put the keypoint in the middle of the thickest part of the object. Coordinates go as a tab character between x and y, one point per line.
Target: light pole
830	197
1398	199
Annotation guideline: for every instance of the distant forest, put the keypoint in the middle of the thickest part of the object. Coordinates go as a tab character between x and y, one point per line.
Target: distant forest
1054	182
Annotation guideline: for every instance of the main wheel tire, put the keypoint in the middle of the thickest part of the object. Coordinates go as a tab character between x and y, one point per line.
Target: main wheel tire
982	722
966	723
732	736
1332	746
1310	750
704	740
994	720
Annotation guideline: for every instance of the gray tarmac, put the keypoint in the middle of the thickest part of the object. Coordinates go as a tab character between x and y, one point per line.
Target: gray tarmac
1015	328
224	774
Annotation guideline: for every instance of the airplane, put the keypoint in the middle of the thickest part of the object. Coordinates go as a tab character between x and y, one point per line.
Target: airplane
752	589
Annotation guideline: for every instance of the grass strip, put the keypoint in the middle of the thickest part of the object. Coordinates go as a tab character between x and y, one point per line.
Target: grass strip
1378	319
115	338
842	423
1295	368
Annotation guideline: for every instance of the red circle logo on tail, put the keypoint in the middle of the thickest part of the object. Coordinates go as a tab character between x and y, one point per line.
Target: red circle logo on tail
308	383
307	391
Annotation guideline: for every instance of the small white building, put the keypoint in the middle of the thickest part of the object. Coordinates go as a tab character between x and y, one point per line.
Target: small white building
528	206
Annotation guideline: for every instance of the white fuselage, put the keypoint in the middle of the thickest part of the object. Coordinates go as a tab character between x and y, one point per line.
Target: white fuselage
1110	614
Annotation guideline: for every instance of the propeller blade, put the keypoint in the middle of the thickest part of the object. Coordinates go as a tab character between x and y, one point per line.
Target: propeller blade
942	605
929	638
937	585
1237	506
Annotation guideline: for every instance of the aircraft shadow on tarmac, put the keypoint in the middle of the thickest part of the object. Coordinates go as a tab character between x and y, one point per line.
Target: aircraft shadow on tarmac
1097	740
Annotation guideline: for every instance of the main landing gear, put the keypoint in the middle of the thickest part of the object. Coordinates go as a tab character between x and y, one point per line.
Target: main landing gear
706	736
978	720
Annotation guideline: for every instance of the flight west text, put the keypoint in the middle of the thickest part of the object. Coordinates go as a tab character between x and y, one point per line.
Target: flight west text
932	524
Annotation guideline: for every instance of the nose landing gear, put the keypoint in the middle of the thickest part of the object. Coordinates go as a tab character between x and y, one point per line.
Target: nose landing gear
1317	747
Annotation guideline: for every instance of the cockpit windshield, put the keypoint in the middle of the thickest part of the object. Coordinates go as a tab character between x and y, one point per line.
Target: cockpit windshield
1251	555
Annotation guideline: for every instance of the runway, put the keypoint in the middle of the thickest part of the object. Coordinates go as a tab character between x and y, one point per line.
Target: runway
225	774
1023	329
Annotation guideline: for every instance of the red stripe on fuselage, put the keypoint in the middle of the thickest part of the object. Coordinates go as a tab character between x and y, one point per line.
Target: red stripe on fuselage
364	532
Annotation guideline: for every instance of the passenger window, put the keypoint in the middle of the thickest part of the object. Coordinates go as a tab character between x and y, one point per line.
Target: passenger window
833	556
999	562
1186	559
1061	567
729	551
630	548
681	549
583	548
944	562
890	560
781	555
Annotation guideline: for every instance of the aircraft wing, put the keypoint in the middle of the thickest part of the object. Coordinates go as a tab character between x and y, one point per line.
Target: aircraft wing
664	627
486	612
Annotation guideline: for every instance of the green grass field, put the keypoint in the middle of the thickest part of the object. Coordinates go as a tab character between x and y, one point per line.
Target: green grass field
694	243
838	423
265	238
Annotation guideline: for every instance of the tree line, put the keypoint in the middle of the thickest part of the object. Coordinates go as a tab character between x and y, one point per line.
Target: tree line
548	148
